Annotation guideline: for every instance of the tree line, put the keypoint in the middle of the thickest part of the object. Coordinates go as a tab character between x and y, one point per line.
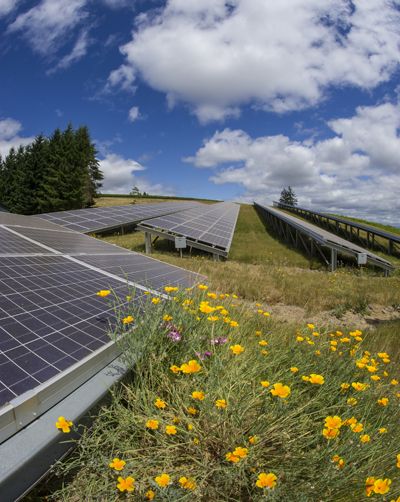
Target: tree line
53	173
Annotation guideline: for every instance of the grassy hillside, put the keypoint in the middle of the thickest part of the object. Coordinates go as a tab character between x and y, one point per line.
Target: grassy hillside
261	267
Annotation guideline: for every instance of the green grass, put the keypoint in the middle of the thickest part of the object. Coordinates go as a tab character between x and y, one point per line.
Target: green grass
388	228
262	267
289	441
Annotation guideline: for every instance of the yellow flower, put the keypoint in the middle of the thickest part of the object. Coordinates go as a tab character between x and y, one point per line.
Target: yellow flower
203	287
117	464
317	352
126	484
263	343
213	318
196	441
365	438
299	338
170	289
316	379
150	495
398	460
359	386
221	403
334	422
266	314
64	424
189	427
103	292
352	401
280	390
233	324
175	369
199	395
152	424
212	295
310	326
191	410
128	319
163	480
160	404
191	367
394	382
187	483
384	401
375	378
170	430
264	352
236	349
369	485
167	318
294	369
258	333
382	486
155	301
264	383
345	386
330	433
240	452
128	298
315	333
266	480
253	439
357	427
232	458
382	430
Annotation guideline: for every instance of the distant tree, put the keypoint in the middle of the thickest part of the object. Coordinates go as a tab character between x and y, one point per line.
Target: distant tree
135	192
288	197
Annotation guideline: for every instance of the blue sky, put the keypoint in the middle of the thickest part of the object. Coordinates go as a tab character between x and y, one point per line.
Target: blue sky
222	99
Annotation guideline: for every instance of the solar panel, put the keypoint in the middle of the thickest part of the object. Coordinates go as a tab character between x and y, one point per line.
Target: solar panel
319	236
212	225
50	316
102	218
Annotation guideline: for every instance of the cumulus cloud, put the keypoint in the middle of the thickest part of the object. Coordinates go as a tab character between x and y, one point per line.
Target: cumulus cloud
9	136
121	78
134	114
357	170
120	175
46	25
217	55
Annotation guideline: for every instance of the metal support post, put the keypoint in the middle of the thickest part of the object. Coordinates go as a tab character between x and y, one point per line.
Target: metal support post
333	259
147	242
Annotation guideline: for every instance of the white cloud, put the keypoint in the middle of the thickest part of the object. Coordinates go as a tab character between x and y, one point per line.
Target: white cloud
7	6
122	78
46	25
78	52
9	137
134	114
217	55
120	176
357	170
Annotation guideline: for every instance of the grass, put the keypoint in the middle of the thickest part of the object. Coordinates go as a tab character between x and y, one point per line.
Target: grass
388	228
261	267
287	429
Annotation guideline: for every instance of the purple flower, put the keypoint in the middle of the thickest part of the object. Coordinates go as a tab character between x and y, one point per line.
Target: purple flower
174	335
203	356
219	341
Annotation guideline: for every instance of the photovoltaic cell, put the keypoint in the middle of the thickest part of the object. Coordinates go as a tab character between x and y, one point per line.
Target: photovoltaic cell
11	243
101	218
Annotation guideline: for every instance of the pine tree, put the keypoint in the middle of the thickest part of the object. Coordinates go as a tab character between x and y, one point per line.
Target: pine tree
288	197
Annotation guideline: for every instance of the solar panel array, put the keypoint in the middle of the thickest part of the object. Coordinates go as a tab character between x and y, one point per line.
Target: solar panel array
50	315
101	218
339	219
323	237
212	225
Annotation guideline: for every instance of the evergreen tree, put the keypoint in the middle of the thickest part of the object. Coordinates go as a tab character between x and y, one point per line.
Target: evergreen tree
288	197
51	174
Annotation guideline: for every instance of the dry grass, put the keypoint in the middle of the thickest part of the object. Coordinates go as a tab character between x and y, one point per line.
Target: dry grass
262	267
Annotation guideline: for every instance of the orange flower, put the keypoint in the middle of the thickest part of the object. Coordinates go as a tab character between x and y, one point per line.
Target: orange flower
280	390
126	484
117	464
64	424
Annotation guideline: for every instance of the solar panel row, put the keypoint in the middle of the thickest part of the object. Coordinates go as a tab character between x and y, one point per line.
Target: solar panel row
50	316
101	218
212	225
